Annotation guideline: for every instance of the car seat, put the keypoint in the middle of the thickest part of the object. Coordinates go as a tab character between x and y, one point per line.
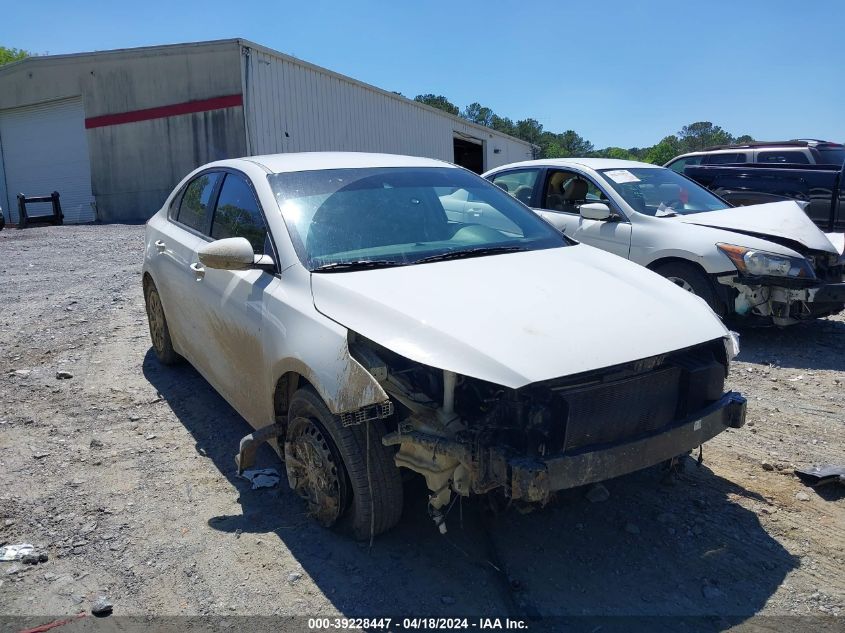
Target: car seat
574	192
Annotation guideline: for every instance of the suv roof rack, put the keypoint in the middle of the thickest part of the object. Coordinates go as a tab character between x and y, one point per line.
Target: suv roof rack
796	142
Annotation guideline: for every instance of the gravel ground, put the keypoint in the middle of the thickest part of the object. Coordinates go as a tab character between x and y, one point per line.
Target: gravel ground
124	474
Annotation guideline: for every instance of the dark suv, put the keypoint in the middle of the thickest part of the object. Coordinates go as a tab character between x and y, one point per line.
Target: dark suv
794	152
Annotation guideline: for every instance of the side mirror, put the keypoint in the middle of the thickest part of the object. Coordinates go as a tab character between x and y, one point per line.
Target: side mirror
595	211
232	253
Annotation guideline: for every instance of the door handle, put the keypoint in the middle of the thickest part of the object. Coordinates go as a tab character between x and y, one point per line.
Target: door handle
199	271
160	246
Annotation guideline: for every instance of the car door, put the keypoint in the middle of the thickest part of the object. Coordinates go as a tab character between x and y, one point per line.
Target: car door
564	192
232	302
184	234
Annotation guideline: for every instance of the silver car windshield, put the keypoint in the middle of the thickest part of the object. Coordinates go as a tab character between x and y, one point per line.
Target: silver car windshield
340	219
661	192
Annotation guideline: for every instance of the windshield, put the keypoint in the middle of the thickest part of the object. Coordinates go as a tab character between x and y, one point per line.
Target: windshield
831	155
661	192
340	218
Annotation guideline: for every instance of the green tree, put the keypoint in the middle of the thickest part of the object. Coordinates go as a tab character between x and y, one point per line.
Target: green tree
438	101
664	151
9	55
616	152
569	143
529	130
696	136
478	113
503	125
745	138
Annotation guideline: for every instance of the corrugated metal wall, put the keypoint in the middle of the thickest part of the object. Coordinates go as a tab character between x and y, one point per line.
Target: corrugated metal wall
134	164
295	107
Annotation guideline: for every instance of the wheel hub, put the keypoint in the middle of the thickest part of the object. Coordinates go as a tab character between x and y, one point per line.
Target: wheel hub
312	470
155	315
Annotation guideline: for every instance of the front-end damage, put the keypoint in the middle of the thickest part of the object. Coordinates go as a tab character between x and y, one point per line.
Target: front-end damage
782	300
467	436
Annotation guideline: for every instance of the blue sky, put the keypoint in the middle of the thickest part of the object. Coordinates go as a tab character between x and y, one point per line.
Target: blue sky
618	73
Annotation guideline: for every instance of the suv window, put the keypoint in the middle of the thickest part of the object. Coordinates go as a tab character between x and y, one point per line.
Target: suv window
518	183
725	158
194	208
567	191
779	156
830	156
679	164
238	215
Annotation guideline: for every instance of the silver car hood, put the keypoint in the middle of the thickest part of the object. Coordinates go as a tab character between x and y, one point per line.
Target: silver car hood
519	318
779	219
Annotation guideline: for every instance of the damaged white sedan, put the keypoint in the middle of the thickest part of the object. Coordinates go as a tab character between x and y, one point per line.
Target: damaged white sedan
361	328
765	264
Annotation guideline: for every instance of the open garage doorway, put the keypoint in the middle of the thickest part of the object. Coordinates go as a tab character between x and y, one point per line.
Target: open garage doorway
469	153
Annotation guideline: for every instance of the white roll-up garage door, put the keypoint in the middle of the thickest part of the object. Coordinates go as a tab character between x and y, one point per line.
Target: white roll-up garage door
44	149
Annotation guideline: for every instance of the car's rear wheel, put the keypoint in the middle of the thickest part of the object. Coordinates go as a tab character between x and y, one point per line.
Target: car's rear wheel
159	332
694	280
344	473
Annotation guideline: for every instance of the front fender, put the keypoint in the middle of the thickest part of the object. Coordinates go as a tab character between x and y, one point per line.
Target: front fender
342	383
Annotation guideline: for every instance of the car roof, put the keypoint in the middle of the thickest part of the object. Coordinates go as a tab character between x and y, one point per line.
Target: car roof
591	163
313	161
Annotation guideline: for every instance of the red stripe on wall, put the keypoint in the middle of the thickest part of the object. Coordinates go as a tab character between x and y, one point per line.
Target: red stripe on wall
189	107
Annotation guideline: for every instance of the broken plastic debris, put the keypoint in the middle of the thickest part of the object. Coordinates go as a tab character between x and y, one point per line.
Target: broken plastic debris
821	475
262	477
16	552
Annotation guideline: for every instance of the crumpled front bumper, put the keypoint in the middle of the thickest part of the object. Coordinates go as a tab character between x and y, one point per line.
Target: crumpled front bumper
535	479
782	301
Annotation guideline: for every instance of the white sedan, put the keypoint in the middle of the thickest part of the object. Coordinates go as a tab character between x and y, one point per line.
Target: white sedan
766	263
359	327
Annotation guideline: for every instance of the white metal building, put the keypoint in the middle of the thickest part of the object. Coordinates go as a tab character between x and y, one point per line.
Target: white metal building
114	131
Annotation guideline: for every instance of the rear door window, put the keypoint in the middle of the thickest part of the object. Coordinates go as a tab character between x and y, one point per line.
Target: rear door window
519	183
238	214
725	158
197	200
790	157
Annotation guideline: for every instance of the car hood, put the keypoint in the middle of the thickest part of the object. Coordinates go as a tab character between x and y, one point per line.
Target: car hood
783	219
519	318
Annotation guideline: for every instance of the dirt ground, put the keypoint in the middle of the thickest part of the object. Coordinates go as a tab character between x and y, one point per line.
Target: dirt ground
124	474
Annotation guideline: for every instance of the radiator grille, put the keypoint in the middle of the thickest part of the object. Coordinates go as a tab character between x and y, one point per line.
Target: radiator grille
604	413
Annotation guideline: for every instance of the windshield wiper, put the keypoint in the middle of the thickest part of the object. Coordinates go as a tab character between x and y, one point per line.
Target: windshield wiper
471	252
358	264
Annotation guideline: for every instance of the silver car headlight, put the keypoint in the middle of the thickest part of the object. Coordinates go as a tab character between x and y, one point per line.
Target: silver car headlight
731	345
749	261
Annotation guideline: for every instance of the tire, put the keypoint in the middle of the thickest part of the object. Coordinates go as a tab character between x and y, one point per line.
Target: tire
159	331
346	449
691	278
